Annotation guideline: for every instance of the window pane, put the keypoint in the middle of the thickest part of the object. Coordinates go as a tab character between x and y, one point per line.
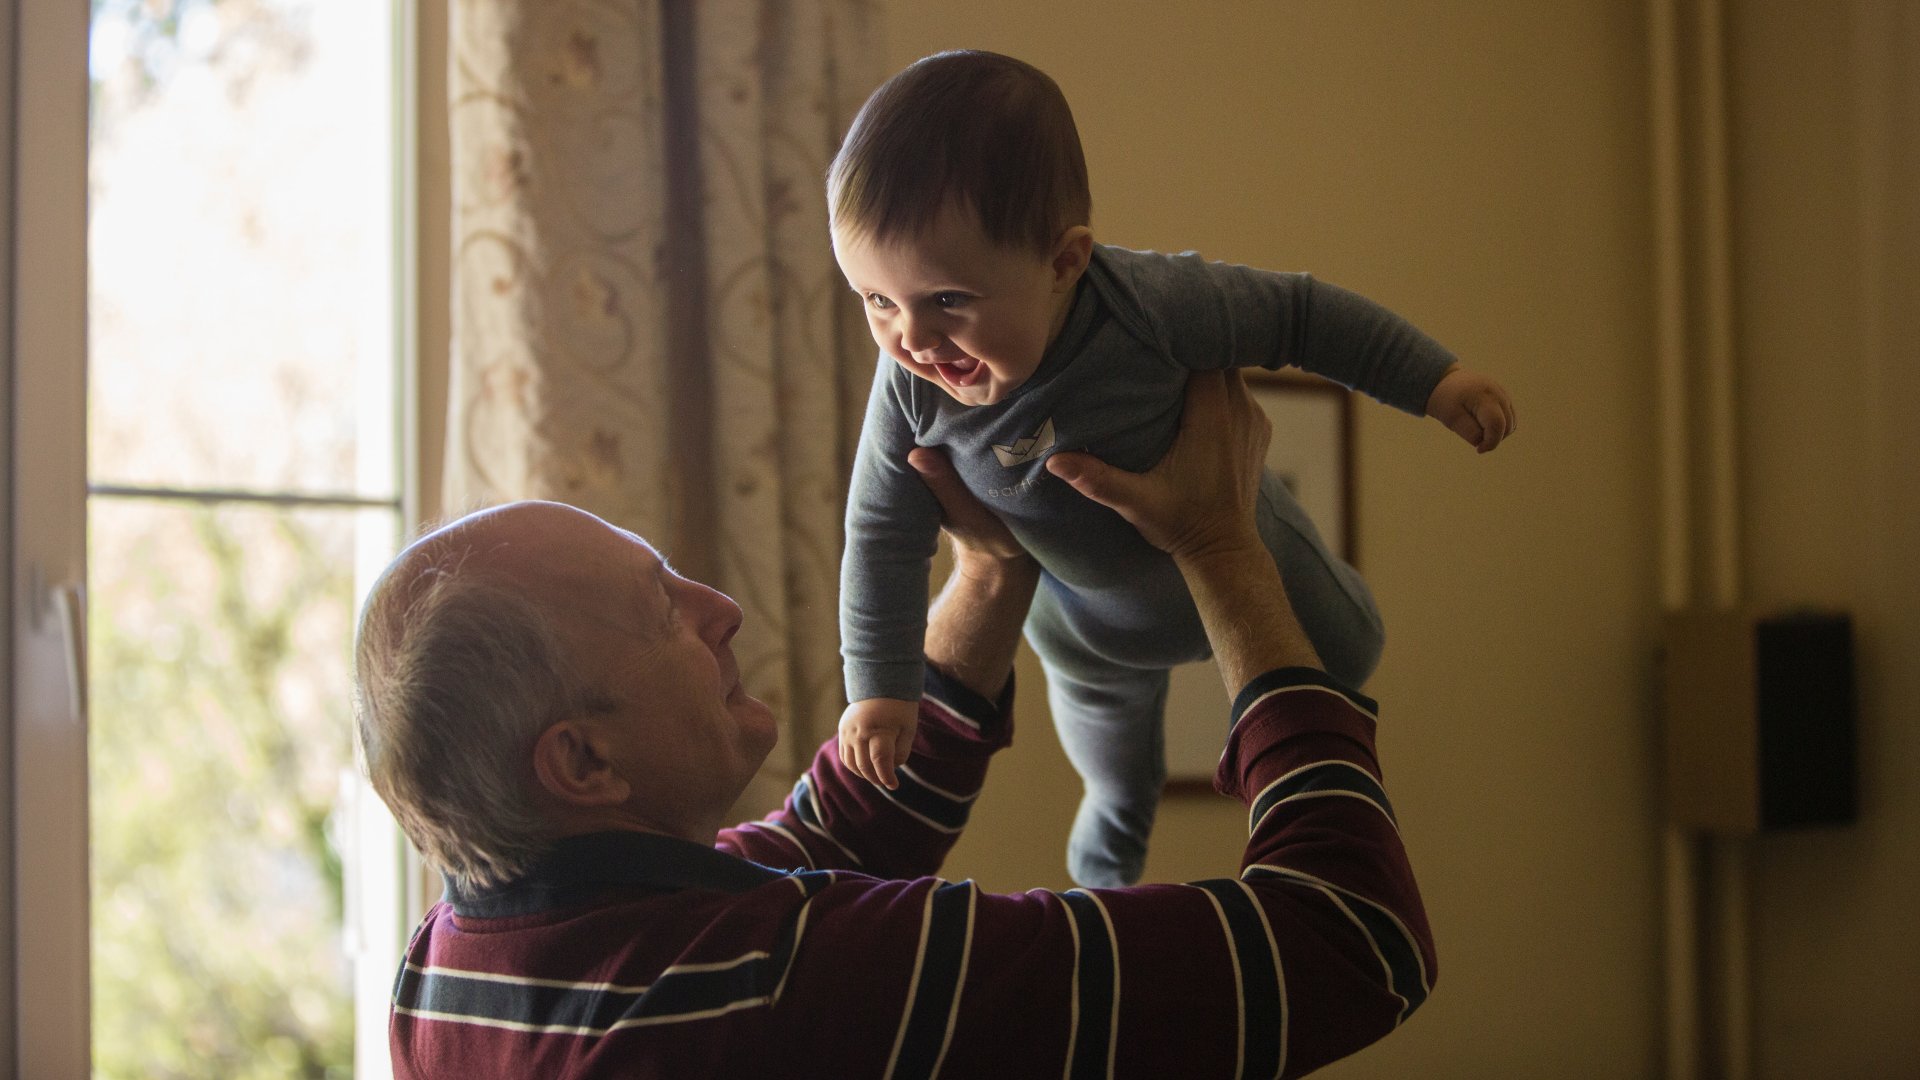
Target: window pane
220	732
240	243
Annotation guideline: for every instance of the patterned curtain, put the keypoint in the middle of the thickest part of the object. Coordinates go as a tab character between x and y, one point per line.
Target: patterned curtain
648	322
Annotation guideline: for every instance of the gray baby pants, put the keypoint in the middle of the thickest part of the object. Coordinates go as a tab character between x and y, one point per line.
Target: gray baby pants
1107	679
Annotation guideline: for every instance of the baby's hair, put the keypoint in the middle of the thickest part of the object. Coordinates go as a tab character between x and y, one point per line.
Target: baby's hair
990	133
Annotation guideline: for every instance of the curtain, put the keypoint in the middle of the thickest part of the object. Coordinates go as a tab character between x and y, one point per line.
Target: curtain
647	319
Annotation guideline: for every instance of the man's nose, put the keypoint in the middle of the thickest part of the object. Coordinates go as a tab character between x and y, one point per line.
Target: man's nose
722	615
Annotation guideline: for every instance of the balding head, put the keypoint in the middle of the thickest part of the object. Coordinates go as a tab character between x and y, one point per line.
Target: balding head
458	667
530	672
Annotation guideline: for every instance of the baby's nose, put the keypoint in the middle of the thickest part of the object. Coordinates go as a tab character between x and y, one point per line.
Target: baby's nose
917	336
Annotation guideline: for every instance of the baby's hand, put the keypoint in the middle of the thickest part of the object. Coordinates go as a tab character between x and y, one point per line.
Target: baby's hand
876	735
1474	406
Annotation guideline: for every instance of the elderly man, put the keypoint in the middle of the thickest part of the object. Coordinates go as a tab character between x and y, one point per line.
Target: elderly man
556	718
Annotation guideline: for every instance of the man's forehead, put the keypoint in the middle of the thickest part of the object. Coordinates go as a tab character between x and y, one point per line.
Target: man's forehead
552	542
647	550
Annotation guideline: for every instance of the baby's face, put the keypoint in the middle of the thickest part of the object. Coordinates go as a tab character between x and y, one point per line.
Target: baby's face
957	309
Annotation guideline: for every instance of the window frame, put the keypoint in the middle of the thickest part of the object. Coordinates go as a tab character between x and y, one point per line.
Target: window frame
45	1004
50	1007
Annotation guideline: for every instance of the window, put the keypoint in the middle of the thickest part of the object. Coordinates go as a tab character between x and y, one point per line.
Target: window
246	344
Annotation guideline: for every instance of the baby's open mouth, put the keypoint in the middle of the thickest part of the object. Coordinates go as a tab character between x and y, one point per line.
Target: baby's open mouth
961	372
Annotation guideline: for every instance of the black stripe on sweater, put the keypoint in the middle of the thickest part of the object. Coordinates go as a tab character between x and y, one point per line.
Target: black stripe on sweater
1326	776
1095	983
1262	1008
943	966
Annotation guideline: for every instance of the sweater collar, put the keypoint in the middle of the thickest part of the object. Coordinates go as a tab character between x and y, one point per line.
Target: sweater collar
577	869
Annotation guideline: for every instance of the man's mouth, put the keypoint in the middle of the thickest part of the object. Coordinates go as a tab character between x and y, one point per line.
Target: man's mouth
961	372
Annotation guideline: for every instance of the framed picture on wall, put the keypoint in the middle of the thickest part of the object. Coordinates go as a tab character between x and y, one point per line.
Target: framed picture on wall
1312	453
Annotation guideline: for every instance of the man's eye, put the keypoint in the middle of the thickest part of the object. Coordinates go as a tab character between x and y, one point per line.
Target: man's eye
878	301
949	299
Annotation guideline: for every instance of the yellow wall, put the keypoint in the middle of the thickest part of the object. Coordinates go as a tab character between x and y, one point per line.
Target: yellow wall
1483	169
1827	200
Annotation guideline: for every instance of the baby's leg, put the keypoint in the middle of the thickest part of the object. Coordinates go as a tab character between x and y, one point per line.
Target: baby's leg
1330	599
1110	720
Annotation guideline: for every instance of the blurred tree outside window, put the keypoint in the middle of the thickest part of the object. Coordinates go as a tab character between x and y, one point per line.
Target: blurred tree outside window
243	470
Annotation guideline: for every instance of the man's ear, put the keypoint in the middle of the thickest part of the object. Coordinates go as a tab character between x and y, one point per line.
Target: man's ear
1070	255
572	762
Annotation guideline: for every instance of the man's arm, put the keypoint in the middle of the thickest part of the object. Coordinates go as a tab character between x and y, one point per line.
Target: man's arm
974	625
1316	948
835	819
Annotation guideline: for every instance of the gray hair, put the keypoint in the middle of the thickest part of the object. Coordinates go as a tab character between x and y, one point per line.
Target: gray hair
455	677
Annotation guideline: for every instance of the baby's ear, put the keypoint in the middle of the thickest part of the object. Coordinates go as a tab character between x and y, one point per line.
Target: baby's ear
1070	255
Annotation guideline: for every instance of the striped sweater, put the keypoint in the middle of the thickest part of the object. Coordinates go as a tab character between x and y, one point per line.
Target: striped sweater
817	943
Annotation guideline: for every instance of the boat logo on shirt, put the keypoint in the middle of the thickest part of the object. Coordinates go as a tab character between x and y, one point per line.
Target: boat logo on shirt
1027	449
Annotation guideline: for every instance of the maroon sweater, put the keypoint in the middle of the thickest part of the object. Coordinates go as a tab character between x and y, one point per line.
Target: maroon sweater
816	943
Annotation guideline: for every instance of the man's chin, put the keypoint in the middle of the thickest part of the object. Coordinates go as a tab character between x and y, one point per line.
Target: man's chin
758	722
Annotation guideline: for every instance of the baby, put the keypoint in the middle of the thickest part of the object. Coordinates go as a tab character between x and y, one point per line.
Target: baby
960	209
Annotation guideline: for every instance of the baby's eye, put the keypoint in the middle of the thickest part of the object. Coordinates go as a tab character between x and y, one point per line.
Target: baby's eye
949	300
878	301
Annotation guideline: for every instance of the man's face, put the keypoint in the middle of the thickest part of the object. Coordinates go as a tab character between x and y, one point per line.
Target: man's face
955	308
682	729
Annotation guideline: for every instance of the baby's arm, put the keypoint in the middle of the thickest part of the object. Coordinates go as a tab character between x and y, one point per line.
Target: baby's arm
972	631
1361	344
1219	314
893	524
1477	408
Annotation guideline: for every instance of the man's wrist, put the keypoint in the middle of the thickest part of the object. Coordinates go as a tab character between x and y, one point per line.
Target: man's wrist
1244	606
995	573
973	627
984	718
1225	559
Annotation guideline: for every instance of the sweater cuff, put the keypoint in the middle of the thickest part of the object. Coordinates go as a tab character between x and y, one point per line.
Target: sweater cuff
1284	704
964	711
1264	686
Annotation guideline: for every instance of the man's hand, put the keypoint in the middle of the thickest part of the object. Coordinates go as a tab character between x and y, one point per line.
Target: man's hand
1477	408
1201	495
1198	505
876	735
977	533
